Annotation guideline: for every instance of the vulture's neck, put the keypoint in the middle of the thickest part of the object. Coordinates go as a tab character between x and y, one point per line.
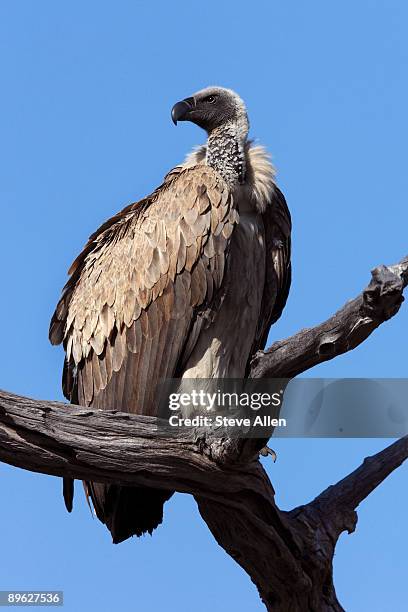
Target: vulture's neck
226	151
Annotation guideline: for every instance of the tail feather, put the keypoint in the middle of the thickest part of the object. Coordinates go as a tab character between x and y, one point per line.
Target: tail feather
68	492
128	511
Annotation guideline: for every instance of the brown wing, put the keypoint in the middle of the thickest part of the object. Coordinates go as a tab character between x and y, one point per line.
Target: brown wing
138	287
277	223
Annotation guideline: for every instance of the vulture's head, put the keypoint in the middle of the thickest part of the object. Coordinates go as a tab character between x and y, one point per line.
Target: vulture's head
212	108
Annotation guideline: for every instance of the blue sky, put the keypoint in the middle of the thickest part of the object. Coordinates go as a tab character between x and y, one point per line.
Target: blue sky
85	128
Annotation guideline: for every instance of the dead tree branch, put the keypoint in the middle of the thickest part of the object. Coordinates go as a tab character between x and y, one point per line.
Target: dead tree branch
288	555
345	330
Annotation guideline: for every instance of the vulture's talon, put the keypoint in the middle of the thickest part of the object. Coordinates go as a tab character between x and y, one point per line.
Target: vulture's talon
265	451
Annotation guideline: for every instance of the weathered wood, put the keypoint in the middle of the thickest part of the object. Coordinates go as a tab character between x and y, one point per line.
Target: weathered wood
277	549
66	440
288	555
345	330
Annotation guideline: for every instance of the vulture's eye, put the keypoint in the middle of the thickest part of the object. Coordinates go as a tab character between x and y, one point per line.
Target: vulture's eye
210	99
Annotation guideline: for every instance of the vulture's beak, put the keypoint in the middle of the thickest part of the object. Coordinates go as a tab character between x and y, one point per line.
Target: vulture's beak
181	109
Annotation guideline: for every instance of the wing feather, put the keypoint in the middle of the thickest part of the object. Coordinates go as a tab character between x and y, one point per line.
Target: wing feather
130	308
277	223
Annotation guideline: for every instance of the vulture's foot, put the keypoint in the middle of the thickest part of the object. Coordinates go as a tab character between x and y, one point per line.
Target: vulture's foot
265	451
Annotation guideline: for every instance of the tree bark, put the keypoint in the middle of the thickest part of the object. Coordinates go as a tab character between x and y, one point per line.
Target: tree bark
345	330
288	555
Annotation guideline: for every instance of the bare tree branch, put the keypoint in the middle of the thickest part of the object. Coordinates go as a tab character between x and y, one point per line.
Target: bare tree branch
106	446
339	501
345	330
288	555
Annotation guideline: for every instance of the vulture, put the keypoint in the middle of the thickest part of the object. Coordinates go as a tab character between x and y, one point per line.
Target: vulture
184	283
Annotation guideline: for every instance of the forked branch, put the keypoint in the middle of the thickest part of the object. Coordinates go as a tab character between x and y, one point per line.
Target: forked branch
288	555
